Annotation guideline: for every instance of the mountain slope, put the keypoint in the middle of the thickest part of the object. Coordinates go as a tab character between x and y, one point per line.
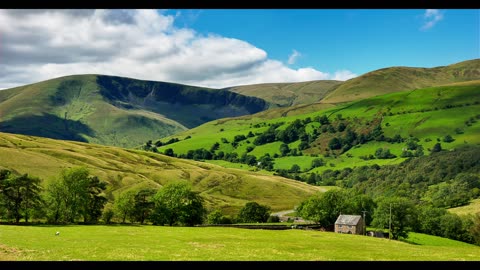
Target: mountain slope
114	110
295	98
388	121
125	169
394	79
288	94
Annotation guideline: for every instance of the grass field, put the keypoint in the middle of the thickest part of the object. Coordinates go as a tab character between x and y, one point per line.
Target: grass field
472	208
158	243
226	189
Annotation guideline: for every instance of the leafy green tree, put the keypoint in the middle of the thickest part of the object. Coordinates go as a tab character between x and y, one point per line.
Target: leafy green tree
449	194
108	214
450	225
429	218
284	149
74	194
124	205
323	120
143	204
55	203
311	209
437	148
335	143
448	138
176	203
254	212
295	168
398	214
169	152
475	229
324	208
20	195
317	162
383	153
75	183
217	217
266	162
96	199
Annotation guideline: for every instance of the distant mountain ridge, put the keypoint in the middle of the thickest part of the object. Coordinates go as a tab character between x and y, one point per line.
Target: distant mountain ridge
126	112
374	83
113	110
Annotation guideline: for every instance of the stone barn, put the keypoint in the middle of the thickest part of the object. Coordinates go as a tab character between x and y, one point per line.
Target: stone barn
352	224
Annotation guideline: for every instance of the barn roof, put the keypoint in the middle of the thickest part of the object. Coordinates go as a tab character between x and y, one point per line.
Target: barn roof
348	219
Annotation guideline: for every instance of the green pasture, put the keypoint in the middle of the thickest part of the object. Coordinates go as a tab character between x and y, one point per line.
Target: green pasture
159	243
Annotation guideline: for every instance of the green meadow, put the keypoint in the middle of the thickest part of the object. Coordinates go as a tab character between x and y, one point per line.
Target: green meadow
428	114
158	243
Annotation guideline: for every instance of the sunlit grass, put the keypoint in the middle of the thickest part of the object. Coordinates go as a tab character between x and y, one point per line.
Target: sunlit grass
158	243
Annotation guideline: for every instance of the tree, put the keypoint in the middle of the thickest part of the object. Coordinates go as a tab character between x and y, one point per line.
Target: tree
398	214
124	205
335	143
176	204
429	220
448	138
96	199
284	149
75	183
55	202
20	195
74	194
318	162
108	214
169	152
437	148
295	168
310	209
324	208
217	217
475	229
254	212
143	204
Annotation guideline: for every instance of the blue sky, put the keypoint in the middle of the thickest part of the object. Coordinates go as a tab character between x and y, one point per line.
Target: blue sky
228	47
360	40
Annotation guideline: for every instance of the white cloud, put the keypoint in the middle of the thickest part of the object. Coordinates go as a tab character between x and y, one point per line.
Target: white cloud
293	57
431	17
343	75
141	44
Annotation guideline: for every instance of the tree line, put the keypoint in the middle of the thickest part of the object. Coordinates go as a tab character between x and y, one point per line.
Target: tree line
76	196
398	215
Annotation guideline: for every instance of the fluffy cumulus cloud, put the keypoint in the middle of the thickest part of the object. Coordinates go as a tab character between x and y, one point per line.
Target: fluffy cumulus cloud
431	17
37	45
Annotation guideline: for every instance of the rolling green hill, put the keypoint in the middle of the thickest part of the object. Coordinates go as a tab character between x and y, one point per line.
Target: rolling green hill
388	121
114	110
288	94
224	189
394	79
306	97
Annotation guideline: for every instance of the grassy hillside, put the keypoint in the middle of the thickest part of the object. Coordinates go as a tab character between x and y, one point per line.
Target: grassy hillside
394	79
288	94
114	110
472	208
426	115
218	244
378	82
124	169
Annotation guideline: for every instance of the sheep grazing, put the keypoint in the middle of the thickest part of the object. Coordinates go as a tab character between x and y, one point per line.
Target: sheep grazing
57	233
